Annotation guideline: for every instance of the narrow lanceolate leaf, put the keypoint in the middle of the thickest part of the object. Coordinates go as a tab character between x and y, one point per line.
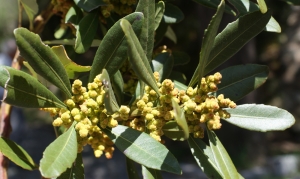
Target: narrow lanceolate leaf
214	4
235	36
26	91
259	117
118	84
238	81
89	5
131	170
221	157
163	64
262	6
72	69
139	146
112	51
172	14
179	85
60	154
242	6
76	171
16	154
31	8
159	13
137	57
206	162
42	59
180	118
86	31
74	15
147	7
149	173
173	131
110	101
207	43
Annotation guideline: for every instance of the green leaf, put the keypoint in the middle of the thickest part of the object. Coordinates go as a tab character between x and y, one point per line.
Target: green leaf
179	85
222	159
238	81
235	36
86	31
16	154
149	173
147	7
163	64
199	150
259	117
110	101
112	51
293	2
95	42
131	170
31	8
137	57
262	6
214	4
159	13
76	171
207	44
72	69
180	118
60	32
273	26
180	58
139	146
173	131
25	91
89	5
242	6
60	154
172	14
170	34
118	84
74	15
42	59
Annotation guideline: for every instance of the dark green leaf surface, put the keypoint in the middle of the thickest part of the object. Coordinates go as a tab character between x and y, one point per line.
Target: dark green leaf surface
159	13
118	84
112	51
178	76
86	31
31	8
149	173
72	69
293	2
180	118
89	5
172	14
139	146
163	64
25	91
131	170
180	58
222	159
242	6
42	59
16	154
207	43
214	4
60	154
259	117
147	7
170	34
235	36
76	171
238	81
173	131
137	57
74	15
205	162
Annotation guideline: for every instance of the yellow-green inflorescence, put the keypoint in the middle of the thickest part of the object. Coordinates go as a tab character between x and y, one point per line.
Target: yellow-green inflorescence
148	114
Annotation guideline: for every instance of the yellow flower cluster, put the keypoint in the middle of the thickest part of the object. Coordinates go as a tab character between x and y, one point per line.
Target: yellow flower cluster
121	7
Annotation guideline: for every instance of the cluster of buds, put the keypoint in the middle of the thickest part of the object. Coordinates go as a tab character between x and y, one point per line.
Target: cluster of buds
121	7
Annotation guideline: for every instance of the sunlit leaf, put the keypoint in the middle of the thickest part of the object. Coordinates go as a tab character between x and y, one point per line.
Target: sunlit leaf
173	131
74	15
137	57
60	32
235	36
179	116
86	31
172	14
149	173
259	117
76	171
31	8
42	59
139	146
163	64
89	5
25	91
16	154
249	78
222	159
72	69
112	51
60	154
214	4
262	6
159	12
207	44
131	170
